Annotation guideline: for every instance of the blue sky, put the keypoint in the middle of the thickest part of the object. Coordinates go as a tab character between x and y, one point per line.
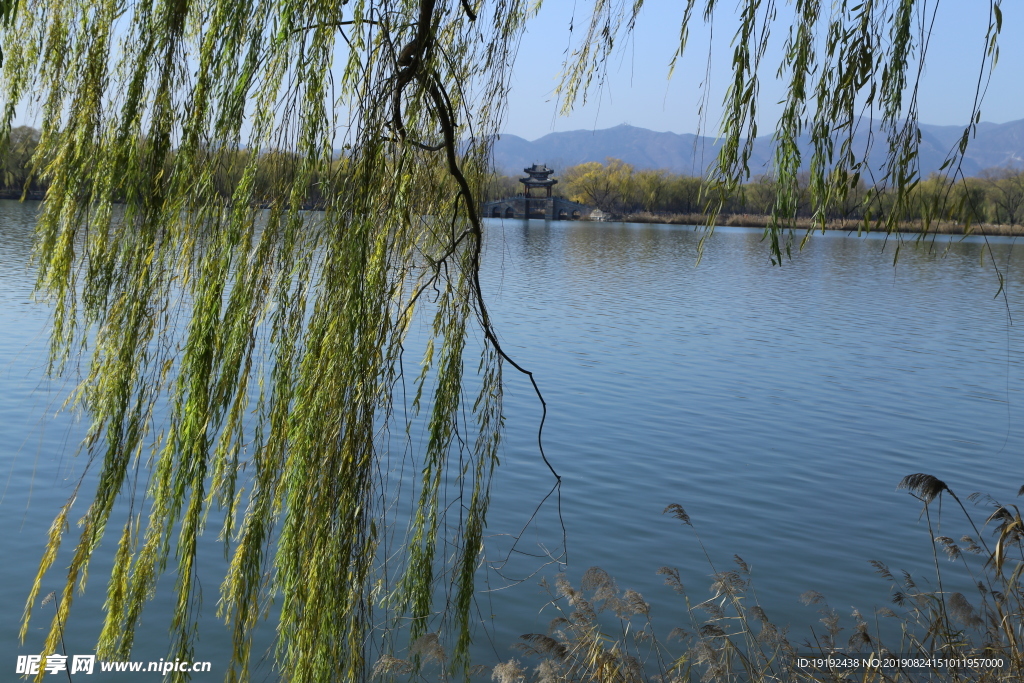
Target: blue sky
639	93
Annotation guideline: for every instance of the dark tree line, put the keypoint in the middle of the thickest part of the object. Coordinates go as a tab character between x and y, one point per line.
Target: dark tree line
26	176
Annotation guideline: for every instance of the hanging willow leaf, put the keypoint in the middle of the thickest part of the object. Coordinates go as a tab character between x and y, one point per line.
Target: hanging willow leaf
7	11
849	68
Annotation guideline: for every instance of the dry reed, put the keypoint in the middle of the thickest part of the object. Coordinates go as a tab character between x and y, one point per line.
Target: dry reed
601	634
604	635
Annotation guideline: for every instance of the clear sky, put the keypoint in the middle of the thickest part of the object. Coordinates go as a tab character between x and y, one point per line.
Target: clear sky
638	91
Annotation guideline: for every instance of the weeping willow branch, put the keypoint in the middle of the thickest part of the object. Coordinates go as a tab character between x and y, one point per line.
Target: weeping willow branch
181	142
847	66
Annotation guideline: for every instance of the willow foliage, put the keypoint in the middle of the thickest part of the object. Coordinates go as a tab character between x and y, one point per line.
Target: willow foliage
243	355
178	292
849	67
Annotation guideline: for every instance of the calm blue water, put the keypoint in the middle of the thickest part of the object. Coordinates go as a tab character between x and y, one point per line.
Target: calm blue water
779	406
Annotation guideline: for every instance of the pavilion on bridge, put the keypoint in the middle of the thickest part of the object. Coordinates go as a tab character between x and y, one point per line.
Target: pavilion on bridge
536	200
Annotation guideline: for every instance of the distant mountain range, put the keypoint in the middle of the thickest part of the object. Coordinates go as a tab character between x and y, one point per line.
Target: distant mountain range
996	144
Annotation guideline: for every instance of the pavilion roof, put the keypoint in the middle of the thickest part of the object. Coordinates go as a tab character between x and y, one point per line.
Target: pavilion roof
539	169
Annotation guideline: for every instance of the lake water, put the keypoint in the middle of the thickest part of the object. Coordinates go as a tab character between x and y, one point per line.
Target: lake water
779	406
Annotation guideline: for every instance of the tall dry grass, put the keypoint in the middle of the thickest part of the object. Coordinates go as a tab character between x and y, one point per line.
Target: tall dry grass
603	634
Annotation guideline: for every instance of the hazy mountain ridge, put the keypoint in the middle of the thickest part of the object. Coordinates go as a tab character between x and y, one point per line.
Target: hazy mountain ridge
994	145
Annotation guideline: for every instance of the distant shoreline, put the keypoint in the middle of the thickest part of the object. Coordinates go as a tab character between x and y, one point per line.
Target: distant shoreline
848	225
746	220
